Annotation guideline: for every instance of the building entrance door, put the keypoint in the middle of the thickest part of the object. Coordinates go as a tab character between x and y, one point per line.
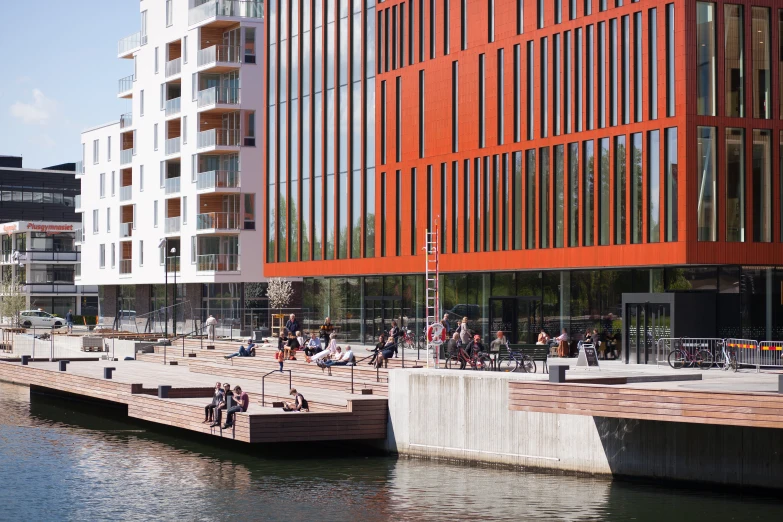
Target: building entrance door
379	311
518	317
647	322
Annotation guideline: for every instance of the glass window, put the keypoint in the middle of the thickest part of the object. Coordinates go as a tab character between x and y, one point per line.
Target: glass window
540	12
780	59
530	90
734	65
602	75
619	190
369	218
706	212
626	74
573	192
490	20
466	201
414	220
421	113
589	76
485	204
454	206
652	53
398	214
578	69
735	184
588	192
432	29
455	106
500	98
705	58
383	123
530	198
670	49
421	30
481	103
384	208
762	104
463	24
567	87
398	120
637	66
477	215
544	95
613	72
556	84
672	182
544	200
520	16
516	201
443	233
653	186
603	195
762	185
637	214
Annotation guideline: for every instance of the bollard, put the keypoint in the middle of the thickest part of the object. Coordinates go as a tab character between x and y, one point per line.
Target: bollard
163	391
557	373
63	364
780	383
25	360
107	372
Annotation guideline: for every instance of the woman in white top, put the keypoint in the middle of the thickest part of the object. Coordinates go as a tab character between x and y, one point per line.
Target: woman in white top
330	350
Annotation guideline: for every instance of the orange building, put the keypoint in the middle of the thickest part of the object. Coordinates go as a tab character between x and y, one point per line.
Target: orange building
568	151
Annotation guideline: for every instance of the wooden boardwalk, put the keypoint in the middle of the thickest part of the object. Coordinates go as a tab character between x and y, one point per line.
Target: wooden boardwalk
335	414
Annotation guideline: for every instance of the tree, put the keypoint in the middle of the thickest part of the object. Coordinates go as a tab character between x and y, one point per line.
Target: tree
13	300
280	293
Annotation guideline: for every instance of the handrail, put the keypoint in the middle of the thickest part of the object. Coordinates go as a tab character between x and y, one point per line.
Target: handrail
270	373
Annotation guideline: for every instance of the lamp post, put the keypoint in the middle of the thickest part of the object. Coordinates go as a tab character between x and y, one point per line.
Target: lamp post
173	251
164	244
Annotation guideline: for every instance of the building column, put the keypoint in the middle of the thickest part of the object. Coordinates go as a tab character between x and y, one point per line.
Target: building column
770	272
565	302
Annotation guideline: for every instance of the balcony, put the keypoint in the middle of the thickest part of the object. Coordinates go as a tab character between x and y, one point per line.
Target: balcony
217	138
80	236
126	156
126	229
215	97
125	89
173	264
220	57
217	263
127	45
50	288
172	225
218	221
126	193
172	185
126	266
173	68
77	202
79	168
173	146
48	256
173	106
126	120
218	180
227	8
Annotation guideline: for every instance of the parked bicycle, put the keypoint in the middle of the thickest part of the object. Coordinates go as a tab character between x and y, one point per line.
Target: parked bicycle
680	358
515	361
476	361
727	359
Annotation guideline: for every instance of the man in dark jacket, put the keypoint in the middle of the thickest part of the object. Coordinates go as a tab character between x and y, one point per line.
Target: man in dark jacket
292	325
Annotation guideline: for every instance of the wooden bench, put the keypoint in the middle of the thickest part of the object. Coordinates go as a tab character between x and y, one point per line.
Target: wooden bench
537	352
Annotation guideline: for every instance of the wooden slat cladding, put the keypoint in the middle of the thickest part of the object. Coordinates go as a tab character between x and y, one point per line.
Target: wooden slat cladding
760	410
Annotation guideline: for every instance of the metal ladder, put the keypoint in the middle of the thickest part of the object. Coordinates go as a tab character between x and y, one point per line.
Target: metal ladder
431	288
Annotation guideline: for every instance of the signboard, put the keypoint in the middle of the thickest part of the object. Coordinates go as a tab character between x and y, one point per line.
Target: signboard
588	356
436	334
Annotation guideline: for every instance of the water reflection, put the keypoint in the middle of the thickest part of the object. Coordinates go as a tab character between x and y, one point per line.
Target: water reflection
68	461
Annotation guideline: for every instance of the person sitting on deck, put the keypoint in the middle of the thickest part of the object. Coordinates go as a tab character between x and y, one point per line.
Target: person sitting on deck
250	351
291	346
222	404
300	338
313	346
217	398
328	351
344	359
299	404
241	405
387	352
332	358
378	348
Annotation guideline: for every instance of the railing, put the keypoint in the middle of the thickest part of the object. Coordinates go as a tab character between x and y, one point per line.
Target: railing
77	202
126	84
49	288
29	256
128	43
173	67
173	106
126	193
126	266
126	156
217	179
172	146
214	96
77	270
219	53
238	8
80	236
172	263
172	185
126	120
218	221
126	229
172	225
217	263
79	167
268	374
218	138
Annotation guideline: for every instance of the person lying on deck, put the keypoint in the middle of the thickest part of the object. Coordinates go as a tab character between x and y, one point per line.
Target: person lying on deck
345	359
250	351
299	404
217	398
241	405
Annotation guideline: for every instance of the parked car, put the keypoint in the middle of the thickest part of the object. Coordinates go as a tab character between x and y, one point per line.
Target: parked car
39	319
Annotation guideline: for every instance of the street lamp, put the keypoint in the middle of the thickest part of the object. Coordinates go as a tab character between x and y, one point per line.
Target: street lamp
164	244
173	252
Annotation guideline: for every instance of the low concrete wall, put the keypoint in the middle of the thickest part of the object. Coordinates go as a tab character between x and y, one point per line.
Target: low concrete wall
464	415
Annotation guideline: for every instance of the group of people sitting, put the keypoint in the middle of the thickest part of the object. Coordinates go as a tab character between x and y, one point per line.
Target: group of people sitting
225	400
332	355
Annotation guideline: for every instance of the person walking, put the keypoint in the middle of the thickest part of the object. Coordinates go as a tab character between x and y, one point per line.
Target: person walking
69	321
464	332
210	323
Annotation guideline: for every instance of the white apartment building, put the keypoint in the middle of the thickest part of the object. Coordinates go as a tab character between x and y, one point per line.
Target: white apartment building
173	187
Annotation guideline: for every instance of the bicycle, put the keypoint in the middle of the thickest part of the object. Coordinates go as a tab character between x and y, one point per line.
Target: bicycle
513	361
727	359
680	358
478	361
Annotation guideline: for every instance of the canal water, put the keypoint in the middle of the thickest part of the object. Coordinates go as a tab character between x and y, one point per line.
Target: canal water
68	461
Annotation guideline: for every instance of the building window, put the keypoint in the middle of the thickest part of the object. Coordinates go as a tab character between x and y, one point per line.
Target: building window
520	16
706	210
169	13
466	227
578	69
443	232
157	67
155	213
588	192
383	214
421	113
516	93
613	72
588	7
620	162
762	185
113	182
95	152
543	202
761	48
573	191
185	209
637	66
602	75
411	32
540	13
95	218
735	184
558	196
185	129
414	220
530	199
383	122
108	148
398	120
517	205
432	29
670	49
652	61
490	20
780	63
485	203
626	75
530	91
455	106
398	214
653	186
102	184
421	30
477	214
141	178
141	252
185	46
500	97
734	59
113	255
637	203
463	24
141	103
102	256
705	58
430	195
454	206
108	219
155	136
603	192
481	103
558	11
556	83
671	184
544	95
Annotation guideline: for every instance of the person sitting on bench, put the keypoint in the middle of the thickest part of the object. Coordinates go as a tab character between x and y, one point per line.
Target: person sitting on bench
389	350
241	405
222	406
313	346
299	404
345	358
217	398
378	348
250	351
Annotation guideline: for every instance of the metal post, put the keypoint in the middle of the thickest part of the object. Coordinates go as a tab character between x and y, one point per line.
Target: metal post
166	288
33	342
51	341
112	347
352	380
174	311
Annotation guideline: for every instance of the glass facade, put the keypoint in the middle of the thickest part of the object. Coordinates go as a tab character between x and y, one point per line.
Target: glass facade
706	172
706	70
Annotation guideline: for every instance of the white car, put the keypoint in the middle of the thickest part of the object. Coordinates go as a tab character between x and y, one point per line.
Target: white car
39	319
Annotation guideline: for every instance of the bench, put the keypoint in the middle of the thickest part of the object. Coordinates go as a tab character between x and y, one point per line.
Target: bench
537	352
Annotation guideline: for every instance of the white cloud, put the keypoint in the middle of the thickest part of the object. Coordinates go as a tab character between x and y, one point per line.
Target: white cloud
36	112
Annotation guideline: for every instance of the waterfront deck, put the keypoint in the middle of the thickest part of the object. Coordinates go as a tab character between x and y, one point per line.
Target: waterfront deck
335	414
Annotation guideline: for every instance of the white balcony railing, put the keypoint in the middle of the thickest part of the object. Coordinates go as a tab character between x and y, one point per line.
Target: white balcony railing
126	266
218	138
79	168
215	96
128	43
217	179
173	67
126	229
126	84
173	106
217	263
172	264
218	221
126	120
126	193
126	156
172	146
236	8
77	202
172	225
172	185
219	54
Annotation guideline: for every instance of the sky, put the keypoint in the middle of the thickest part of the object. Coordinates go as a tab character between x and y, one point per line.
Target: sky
58	74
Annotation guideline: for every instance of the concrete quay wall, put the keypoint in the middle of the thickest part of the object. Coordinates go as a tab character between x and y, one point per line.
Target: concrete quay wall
465	416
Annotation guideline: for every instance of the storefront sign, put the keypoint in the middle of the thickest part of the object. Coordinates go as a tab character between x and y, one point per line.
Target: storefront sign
49	229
